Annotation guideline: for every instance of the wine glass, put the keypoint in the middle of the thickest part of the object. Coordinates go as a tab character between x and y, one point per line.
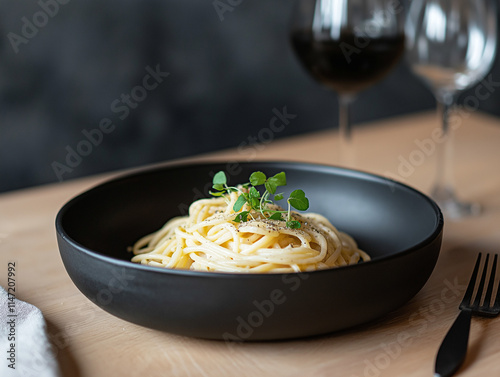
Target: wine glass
451	45
348	45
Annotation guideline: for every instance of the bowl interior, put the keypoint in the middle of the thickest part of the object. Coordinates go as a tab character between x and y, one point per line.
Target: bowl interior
383	216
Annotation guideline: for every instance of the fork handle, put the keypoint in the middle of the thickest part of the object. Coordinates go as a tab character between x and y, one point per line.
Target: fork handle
452	351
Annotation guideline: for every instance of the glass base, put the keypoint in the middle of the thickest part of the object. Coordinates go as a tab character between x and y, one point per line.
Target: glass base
453	207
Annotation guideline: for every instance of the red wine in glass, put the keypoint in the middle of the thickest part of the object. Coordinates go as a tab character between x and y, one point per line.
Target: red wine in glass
342	66
348	45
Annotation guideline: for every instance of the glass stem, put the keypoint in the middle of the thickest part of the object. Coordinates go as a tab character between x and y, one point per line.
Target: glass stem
346	149
444	185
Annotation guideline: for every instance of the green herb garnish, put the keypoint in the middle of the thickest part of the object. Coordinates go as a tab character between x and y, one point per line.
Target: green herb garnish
248	194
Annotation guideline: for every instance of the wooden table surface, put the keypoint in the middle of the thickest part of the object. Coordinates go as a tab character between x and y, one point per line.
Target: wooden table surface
92	343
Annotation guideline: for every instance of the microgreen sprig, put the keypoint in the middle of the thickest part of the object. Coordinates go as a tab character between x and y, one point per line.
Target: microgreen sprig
248	194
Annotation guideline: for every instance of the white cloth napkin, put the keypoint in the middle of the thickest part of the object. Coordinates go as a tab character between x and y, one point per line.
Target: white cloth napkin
25	347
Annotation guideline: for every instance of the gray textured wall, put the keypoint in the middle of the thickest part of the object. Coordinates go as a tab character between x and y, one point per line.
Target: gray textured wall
86	65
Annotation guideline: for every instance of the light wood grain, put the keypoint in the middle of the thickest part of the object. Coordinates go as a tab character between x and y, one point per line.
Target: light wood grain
90	342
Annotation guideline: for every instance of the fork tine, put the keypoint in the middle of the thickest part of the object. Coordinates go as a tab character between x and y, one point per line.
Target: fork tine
496	305
472	282
480	288
489	292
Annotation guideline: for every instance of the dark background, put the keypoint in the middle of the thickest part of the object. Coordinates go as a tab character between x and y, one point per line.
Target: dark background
226	77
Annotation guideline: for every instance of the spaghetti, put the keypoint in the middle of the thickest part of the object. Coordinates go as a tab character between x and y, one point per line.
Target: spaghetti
209	239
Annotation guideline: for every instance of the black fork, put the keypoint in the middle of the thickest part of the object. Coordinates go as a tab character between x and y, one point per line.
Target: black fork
452	351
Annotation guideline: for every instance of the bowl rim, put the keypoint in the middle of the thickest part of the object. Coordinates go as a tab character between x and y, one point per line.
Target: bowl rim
317	167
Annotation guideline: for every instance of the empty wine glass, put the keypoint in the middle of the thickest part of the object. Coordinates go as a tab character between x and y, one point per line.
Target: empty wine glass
348	45
451	45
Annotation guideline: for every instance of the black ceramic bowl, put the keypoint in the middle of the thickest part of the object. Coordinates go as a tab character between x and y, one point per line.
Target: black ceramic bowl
398	226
